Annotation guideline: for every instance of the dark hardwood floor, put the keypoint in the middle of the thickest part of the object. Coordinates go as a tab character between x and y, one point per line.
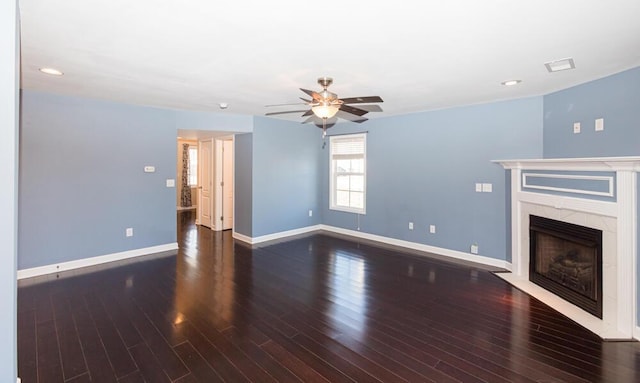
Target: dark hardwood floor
313	309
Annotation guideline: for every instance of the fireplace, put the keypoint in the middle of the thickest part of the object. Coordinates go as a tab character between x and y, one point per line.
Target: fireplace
566	259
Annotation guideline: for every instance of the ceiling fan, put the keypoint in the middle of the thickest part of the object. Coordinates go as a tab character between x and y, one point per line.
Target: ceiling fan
326	107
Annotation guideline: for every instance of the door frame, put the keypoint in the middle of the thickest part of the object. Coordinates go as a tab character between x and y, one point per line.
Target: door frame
218	208
200	178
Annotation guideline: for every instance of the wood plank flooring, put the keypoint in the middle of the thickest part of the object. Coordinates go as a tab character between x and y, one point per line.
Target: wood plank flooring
313	309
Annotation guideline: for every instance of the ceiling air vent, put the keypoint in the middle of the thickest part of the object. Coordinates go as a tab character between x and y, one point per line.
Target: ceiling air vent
558	65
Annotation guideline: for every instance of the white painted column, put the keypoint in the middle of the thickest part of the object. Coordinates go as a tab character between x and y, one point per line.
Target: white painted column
9	106
626	184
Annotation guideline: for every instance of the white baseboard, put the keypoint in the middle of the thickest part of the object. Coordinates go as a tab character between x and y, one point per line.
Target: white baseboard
274	236
242	237
421	247
378	238
64	266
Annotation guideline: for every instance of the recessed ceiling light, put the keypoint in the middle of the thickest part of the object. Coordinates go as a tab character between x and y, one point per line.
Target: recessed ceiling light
223	105
51	71
511	82
558	65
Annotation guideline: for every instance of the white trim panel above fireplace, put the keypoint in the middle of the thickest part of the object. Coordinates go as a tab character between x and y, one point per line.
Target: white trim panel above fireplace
617	219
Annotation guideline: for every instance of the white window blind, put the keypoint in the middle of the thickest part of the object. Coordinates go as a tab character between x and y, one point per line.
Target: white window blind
348	173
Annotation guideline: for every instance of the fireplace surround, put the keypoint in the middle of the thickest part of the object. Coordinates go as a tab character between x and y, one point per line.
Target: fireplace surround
596	193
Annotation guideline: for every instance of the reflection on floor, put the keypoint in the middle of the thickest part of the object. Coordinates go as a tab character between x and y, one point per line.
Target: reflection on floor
316	308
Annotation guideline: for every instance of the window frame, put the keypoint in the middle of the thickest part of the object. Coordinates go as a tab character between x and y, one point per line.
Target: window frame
333	174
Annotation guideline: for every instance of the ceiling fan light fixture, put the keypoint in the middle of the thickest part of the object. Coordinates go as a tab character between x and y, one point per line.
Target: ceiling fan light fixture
325	110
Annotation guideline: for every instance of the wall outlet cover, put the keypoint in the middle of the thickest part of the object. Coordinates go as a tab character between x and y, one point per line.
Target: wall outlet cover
474	249
576	127
599	124
432	229
171	183
310	213
129	232
410	225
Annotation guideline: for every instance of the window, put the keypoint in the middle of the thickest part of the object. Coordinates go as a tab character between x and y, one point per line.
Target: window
193	166
348	172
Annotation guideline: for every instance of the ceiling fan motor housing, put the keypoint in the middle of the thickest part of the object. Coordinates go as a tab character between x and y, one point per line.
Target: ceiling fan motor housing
325	82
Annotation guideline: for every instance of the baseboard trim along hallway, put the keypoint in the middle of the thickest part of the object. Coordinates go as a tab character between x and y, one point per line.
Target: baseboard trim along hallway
93	261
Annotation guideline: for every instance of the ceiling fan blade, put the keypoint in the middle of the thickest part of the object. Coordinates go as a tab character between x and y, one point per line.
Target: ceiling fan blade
313	94
308	113
307	101
350	117
353	110
371	108
361	100
286	112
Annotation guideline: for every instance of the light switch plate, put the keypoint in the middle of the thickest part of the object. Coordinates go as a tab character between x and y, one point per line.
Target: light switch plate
599	124
410	225
478	188
487	188
171	183
576	127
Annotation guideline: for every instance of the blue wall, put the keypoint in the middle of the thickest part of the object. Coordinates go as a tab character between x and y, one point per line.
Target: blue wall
193	120
615	98
286	175
243	169
423	168
9	105
82	181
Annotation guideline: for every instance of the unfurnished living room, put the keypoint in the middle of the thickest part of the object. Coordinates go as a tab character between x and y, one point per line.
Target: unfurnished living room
291	191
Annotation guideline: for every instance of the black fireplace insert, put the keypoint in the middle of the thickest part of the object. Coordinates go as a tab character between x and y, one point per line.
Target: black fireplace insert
566	259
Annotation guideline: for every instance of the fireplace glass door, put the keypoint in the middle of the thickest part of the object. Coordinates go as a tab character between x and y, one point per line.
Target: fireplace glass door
566	259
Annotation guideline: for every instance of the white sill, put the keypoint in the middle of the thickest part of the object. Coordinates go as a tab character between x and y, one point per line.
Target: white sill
347	210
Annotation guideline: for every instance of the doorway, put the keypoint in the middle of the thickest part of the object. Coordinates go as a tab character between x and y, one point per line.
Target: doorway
213	195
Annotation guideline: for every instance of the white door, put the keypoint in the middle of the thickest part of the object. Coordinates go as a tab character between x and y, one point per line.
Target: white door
227	184
205	204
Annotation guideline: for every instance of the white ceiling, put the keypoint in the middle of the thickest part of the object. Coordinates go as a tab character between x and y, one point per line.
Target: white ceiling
416	55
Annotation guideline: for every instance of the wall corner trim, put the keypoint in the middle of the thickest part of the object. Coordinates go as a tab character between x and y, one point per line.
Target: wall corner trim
101	259
636	333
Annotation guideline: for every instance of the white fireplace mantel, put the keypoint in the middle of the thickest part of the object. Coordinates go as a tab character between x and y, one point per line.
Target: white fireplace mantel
616	216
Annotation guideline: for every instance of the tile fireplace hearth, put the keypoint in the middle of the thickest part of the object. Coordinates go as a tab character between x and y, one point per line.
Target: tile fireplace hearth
599	195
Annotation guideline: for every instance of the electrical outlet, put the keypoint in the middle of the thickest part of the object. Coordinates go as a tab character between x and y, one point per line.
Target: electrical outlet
474	248
310	213
432	229
410	225
576	127
129	232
